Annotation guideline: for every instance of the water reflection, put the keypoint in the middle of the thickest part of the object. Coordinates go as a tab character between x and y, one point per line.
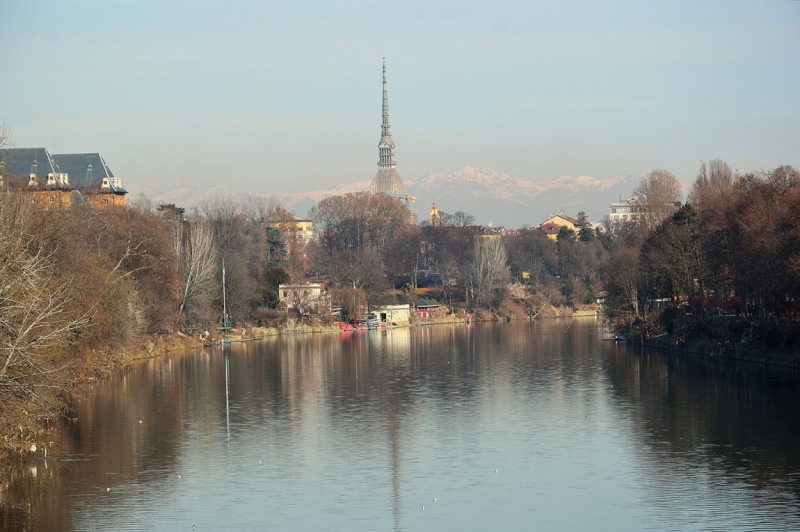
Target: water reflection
729	426
363	430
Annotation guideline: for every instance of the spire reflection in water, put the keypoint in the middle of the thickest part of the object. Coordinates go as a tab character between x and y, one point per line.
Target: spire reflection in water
508	426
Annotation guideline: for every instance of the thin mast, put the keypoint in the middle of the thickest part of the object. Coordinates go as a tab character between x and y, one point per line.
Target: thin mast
224	303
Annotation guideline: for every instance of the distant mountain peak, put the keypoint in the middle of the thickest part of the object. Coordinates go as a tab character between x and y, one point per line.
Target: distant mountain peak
492	195
477	189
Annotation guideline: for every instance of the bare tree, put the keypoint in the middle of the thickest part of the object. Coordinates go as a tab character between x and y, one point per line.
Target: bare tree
623	284
306	299
197	256
37	317
359	220
489	268
241	250
5	136
351	300
265	210
656	198
363	270
459	219
5	142
714	179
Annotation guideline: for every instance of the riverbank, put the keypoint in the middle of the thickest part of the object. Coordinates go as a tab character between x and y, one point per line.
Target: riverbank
763	356
510	310
299	403
91	365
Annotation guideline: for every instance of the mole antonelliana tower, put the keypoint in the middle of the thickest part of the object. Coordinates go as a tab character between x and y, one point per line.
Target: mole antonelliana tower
387	180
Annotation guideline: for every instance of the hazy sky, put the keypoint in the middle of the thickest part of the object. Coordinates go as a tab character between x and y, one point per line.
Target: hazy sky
286	96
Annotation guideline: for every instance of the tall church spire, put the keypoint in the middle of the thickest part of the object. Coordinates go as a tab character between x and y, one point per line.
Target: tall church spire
386	145
387	180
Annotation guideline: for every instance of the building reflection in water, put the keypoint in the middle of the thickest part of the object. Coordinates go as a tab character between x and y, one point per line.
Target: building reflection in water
313	405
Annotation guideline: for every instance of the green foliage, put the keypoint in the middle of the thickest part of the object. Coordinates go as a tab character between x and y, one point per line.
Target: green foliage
685	215
276	247
586	234
565	233
589	295
268	291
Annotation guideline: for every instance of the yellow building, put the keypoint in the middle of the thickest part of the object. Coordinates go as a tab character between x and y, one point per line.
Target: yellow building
303	229
562	220
553	225
435	217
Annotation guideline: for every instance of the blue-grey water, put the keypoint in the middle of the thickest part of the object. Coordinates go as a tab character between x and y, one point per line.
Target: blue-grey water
521	426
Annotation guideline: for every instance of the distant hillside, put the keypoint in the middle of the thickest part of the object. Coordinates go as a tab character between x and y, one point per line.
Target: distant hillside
491	196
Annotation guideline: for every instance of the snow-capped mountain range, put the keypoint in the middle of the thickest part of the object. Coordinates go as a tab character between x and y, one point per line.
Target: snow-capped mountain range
504	199
489	195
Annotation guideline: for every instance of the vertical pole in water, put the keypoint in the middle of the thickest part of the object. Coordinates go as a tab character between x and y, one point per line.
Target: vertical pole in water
224	303
227	399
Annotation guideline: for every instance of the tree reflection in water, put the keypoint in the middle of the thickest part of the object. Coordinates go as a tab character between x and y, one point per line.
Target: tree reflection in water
328	431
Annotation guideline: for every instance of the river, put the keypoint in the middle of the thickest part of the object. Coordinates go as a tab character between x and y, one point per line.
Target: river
502	426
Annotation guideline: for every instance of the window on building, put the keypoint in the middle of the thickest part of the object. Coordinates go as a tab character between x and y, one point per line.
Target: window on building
105	201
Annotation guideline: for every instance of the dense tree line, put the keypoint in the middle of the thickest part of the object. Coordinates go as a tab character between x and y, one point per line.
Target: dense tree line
733	248
73	282
369	243
79	283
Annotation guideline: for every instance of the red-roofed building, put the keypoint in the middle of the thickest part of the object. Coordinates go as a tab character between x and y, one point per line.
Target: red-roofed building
550	229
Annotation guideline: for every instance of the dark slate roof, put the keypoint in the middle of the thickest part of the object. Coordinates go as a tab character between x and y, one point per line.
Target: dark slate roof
86	171
26	161
20	161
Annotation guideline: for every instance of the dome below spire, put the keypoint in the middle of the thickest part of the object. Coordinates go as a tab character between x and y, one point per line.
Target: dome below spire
387	180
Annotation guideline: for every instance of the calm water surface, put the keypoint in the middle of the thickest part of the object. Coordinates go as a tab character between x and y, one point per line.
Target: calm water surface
521	426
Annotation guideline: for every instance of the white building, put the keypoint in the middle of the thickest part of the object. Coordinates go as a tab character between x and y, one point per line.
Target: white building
393	314
624	211
311	298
